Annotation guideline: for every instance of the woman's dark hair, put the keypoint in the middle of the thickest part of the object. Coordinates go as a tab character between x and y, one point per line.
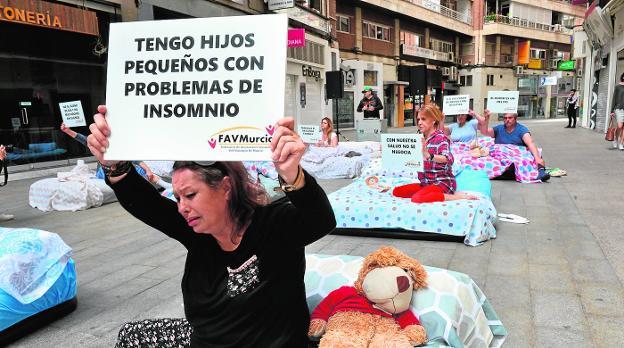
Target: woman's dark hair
622	77
245	194
468	117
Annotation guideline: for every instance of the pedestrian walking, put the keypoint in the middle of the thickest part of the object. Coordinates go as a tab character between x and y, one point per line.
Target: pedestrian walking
617	110
243	277
571	107
3	154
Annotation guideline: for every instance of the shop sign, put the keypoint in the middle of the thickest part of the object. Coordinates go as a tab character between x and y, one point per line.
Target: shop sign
49	15
433	5
280	4
503	102
402	152
548	81
456	104
565	65
199	89
308	71
349	78
310	134
72	114
296	37
425	53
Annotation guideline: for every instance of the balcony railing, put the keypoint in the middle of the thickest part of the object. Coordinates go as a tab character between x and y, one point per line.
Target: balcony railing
523	23
445	11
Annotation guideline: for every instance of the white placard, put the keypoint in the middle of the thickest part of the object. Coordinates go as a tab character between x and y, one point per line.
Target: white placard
72	114
548	81
502	102
196	89
402	152
280	4
456	104
310	134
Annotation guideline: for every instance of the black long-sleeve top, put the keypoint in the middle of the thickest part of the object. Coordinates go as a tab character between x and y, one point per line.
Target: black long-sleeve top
618	98
253	296
375	102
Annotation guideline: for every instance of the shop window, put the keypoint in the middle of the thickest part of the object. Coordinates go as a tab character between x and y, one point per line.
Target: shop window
343	24
370	78
490	80
411	39
376	31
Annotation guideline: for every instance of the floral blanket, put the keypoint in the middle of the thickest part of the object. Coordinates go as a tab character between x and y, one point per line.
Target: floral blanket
501	157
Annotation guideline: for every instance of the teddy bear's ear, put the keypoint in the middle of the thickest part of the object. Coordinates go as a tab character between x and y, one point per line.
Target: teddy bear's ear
416	271
368	265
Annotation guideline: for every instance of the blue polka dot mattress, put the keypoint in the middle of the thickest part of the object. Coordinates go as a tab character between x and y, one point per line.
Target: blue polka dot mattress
360	206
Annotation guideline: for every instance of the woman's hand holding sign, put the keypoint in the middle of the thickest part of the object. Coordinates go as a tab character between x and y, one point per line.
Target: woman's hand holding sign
288	148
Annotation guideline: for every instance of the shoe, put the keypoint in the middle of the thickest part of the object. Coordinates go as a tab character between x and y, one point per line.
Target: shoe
621	147
542	175
615	144
6	217
568	126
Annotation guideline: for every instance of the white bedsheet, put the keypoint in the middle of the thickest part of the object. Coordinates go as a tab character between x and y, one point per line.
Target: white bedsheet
333	163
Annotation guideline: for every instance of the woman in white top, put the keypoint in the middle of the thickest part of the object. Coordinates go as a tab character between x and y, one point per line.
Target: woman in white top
328	137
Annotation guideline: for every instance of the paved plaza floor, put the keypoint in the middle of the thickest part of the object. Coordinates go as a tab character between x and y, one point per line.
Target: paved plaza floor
555	282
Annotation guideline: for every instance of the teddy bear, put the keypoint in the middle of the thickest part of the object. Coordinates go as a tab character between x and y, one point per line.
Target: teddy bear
374	312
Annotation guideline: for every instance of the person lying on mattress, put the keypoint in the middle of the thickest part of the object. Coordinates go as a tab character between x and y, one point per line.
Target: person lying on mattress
513	133
243	277
437	182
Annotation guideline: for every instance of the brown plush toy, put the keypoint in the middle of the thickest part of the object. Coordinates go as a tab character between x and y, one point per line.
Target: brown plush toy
375	311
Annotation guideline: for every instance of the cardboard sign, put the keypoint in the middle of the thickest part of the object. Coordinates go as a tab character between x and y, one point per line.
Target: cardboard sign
503	102
72	114
310	134
402	152
196	89
456	104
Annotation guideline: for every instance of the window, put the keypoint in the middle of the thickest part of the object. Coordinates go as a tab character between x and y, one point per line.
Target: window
411	39
468	80
311	4
538	53
441	46
462	80
490	80
370	78
376	31
312	52
343	24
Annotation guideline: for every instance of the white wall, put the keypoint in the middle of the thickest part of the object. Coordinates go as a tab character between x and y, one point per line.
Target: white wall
530	13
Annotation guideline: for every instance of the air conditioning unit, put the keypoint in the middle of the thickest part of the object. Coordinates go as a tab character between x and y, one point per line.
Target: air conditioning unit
446	71
598	25
553	63
579	72
519	70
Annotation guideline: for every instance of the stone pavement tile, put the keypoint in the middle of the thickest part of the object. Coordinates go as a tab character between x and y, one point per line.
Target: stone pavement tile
509	241
55	337
602	299
365	249
607	331
593	271
118	294
557	310
582	249
561	337
508	265
170	308
508	292
518	322
575	232
424	244
535	211
319	244
550	278
117	277
435	257
173	269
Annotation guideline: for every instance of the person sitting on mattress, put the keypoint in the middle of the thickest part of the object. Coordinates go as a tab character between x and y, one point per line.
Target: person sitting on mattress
328	136
513	133
437	182
464	130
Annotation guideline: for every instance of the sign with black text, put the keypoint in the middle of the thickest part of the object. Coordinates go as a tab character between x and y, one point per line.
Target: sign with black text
402	152
456	104
310	134
195	89
72	114
503	102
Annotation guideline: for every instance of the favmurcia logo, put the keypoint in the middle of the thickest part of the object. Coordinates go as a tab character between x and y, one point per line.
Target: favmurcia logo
242	138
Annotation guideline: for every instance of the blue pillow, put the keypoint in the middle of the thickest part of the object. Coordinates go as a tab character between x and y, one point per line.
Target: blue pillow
474	180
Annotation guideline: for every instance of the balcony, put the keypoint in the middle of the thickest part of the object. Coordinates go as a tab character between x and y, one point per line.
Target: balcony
503	25
430	12
563	6
308	17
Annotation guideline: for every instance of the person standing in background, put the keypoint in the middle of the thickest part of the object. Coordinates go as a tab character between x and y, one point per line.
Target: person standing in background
4	216
617	110
572	106
370	104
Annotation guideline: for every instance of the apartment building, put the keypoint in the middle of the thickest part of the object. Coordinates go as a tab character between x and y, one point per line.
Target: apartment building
515	44
379	39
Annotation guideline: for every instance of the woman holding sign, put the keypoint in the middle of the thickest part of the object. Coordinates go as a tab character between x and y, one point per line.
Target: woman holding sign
243	278
437	182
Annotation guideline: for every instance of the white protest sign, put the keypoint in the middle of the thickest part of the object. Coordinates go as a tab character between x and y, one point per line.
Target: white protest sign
310	134
456	104
72	114
402	152
502	102
195	89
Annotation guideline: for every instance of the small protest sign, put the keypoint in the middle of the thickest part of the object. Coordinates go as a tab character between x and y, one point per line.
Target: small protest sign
456	104
72	114
195	89
502	102
310	134
402	152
